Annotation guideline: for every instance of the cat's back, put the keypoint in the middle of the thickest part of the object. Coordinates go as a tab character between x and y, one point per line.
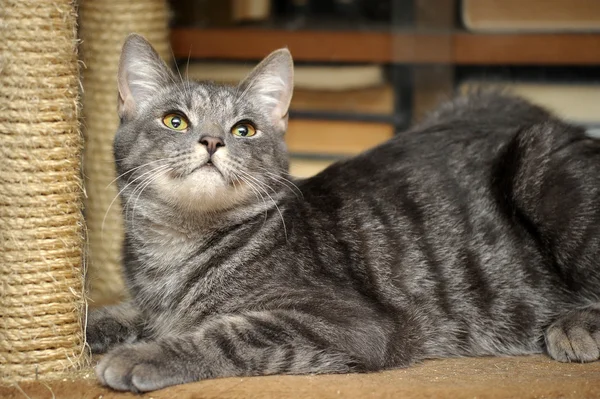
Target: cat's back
457	144
469	128
437	182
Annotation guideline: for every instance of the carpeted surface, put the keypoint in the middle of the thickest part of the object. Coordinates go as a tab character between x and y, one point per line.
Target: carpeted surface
518	377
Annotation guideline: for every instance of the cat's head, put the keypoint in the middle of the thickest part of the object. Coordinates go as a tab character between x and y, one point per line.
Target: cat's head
200	146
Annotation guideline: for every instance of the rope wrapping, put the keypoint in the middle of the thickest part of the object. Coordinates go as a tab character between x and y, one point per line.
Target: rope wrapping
41	224
104	26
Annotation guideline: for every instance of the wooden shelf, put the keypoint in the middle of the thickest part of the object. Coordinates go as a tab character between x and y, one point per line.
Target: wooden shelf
242	44
527	49
386	47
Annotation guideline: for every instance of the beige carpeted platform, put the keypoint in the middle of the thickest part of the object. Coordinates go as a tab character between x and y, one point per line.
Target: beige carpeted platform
518	377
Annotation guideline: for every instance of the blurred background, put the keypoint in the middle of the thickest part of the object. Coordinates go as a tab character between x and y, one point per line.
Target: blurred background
368	68
365	69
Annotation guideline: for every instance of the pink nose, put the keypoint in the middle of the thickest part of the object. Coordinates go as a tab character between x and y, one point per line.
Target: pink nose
211	143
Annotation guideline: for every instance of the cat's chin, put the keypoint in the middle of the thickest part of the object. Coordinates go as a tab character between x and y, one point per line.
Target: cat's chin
204	190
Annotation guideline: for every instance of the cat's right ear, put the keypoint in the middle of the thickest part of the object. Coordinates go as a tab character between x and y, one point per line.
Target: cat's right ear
141	75
270	85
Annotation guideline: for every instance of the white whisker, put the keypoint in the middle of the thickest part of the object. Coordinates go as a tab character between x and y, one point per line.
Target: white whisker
261	185
283	181
256	193
183	82
143	186
132	170
121	191
187	68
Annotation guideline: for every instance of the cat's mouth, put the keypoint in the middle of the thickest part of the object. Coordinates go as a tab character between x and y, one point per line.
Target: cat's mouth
207	166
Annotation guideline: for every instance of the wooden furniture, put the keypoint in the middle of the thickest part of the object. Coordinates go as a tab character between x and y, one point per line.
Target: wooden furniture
458	48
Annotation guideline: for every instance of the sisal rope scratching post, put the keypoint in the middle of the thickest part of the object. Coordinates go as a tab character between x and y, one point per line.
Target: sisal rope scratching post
104	24
41	226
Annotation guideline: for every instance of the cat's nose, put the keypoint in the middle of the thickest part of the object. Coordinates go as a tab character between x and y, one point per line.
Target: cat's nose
211	143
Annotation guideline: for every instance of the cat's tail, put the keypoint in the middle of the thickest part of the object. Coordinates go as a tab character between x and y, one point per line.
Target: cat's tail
549	180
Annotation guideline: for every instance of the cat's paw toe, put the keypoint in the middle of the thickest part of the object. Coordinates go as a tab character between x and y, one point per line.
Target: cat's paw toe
147	377
140	367
571	345
575	337
117	376
125	366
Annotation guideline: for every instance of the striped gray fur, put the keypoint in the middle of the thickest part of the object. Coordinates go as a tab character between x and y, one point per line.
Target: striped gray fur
474	233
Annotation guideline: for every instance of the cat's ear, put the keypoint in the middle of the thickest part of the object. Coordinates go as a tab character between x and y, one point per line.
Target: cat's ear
141	74
271	85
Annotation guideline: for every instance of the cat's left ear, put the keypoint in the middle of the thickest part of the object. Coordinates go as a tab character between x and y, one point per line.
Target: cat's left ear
271	85
141	75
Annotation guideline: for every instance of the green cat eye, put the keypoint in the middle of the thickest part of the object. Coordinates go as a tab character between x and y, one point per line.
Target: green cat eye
175	122
243	129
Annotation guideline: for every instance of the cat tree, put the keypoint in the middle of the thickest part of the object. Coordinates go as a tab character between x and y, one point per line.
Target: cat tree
41	224
42	301
104	24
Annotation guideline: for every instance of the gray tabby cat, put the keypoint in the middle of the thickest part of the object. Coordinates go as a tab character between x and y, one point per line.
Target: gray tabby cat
475	233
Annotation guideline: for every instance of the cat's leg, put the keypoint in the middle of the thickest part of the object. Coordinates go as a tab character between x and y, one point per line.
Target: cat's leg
553	176
112	325
575	336
256	343
550	175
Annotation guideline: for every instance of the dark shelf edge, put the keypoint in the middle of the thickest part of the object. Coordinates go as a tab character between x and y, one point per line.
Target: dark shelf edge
458	48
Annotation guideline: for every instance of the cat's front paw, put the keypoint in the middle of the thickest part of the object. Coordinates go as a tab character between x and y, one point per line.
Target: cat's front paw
142	367
575	336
